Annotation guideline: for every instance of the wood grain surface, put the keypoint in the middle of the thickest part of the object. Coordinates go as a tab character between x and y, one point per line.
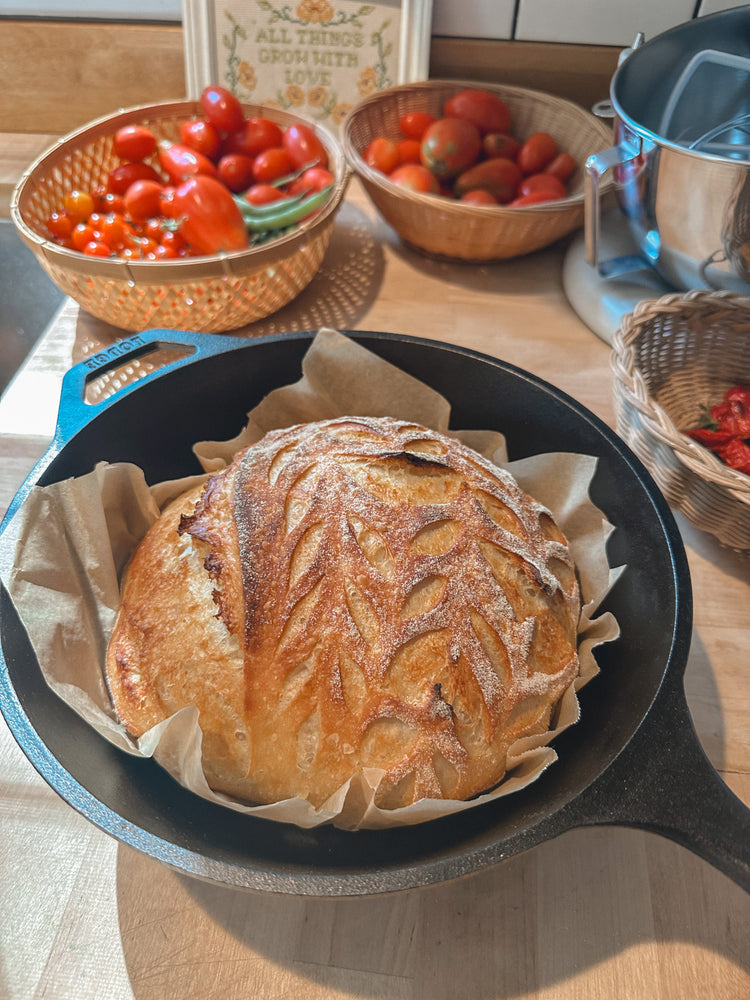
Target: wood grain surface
597	913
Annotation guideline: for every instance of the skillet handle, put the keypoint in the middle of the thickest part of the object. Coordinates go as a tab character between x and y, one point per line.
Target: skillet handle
664	782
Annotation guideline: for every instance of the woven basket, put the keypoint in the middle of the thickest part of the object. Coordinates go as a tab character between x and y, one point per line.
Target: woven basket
206	294
446	228
670	357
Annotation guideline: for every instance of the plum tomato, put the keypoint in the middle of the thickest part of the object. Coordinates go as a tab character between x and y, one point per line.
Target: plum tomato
134	143
263	194
143	200
562	166
449	146
222	108
542	182
415	177
312	179
180	162
498	176
479	196
236	171
272	164
381	154
414	124
484	109
253	136
202	136
122	176
304	146
499	144
210	220
533	198
536	153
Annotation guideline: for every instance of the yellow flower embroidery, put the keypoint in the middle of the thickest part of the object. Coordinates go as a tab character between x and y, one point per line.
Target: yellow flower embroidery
367	82
340	112
316	97
315	11
295	95
246	76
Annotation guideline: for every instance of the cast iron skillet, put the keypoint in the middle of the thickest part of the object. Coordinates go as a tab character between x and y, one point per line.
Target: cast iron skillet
633	759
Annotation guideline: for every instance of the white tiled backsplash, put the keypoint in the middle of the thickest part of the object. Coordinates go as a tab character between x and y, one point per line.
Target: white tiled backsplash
593	22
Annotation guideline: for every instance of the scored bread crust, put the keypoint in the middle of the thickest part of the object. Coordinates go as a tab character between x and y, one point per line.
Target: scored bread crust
349	594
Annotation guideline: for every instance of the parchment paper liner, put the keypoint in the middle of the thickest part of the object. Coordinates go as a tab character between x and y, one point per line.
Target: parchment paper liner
72	540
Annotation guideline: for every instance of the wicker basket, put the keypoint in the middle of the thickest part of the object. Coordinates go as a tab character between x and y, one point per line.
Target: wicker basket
670	357
206	294
447	228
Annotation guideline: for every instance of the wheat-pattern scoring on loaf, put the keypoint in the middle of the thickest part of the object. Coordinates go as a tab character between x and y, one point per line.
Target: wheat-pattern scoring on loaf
350	594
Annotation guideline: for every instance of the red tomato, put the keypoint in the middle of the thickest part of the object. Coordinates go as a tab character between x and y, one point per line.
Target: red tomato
201	136
499	176
449	146
534	198
542	182
166	204
562	166
134	143
272	164
415	177
381	154
120	178
236	171
253	136
536	153
479	197
180	162
173	241
304	146
263	194
78	205
497	144
312	179
105	201
484	109
222	108
143	200
414	124
409	151
209	218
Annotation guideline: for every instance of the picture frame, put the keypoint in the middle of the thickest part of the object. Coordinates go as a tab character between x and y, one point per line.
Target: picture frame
316	58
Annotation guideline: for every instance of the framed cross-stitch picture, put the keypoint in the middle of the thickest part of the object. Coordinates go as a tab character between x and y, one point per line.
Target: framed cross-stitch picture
313	57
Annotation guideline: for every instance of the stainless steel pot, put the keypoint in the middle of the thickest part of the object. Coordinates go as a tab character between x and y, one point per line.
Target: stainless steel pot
681	159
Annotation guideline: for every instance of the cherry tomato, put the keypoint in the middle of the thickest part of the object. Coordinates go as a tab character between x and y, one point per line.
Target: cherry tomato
263	194
106	202
479	197
210	219
202	136
409	150
236	171
304	146
562	166
483	108
273	164
498	176
121	177
95	248
143	200
449	146
312	179
79	205
222	108
536	153
134	143
542	182
166	203
180	162
498	144
253	136
381	154
415	177
60	225
173	241
82	234
534	198
115	230
414	124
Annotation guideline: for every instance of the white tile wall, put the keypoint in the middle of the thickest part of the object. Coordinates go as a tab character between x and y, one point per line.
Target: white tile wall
473	18
598	22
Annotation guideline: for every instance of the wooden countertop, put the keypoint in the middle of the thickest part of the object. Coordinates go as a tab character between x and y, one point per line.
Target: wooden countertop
598	913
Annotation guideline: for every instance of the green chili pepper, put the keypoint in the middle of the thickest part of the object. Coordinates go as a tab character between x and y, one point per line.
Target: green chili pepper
286	212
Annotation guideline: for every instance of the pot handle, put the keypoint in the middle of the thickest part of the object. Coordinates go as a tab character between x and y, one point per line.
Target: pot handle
663	782
596	168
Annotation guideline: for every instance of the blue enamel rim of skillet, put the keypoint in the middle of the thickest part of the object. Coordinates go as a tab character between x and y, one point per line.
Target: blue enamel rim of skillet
634	758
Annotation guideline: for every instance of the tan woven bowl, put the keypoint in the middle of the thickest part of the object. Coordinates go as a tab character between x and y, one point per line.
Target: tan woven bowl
205	294
448	228
671	356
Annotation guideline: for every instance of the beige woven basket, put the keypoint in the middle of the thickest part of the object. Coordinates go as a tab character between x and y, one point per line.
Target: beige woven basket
456	230
206	294
670	357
